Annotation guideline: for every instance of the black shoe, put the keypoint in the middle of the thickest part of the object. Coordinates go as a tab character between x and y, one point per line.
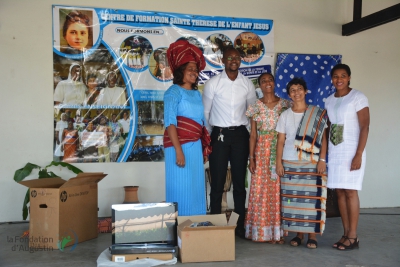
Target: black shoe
239	232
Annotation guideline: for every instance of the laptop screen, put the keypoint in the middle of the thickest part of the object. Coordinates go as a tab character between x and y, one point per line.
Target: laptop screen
144	223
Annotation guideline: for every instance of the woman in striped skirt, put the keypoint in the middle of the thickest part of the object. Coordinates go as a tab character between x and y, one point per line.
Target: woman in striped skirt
300	162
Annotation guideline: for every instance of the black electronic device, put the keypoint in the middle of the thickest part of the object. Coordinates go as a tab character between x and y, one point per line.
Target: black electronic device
144	228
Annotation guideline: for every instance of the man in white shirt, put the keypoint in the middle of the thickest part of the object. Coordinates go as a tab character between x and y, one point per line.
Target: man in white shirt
226	98
112	94
125	122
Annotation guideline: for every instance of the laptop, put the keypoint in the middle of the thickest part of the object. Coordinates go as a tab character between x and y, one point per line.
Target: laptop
144	228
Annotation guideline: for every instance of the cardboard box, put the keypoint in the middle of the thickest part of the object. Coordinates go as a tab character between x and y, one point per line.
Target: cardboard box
132	257
207	243
63	213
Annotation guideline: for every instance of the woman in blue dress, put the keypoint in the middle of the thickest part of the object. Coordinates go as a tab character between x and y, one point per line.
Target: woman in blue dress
185	131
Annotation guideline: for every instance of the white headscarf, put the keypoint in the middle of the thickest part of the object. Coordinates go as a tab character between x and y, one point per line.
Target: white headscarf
108	74
63	114
70	70
71	92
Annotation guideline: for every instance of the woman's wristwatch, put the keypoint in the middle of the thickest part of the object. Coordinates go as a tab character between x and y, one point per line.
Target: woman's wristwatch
322	160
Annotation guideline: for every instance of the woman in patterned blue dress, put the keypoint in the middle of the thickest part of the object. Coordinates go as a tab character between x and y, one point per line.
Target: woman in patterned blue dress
184	161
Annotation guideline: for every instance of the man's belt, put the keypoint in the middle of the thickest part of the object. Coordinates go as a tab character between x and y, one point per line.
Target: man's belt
230	128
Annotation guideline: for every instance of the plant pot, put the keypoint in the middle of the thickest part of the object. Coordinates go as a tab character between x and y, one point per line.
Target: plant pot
131	194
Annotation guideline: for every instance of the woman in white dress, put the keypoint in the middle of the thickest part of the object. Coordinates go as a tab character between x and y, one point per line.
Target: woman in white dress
131	57
348	113
146	58
72	90
60	126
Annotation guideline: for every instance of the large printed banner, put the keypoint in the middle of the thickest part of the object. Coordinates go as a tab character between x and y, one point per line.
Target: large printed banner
111	71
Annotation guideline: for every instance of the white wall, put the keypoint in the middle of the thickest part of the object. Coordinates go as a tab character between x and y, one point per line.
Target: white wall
307	26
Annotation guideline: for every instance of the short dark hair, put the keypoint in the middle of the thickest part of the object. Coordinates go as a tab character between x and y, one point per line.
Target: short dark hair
178	76
296	80
228	49
341	66
89	76
259	77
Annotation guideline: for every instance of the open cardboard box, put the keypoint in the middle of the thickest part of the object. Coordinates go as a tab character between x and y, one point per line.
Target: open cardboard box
207	243
63	213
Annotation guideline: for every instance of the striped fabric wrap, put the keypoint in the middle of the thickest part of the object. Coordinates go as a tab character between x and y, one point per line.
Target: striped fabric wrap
303	197
304	227
309	134
190	131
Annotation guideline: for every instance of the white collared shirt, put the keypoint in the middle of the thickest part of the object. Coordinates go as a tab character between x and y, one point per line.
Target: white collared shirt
226	101
125	124
112	96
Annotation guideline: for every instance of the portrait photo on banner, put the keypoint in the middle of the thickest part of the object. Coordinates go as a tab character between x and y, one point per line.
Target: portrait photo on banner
76	32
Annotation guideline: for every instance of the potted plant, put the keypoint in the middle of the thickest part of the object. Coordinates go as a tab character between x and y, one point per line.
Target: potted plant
24	172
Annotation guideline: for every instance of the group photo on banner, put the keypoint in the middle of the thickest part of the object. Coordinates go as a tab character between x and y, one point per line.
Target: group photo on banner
110	72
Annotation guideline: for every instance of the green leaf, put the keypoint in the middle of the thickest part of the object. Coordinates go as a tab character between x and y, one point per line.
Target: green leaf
48	174
52	174
44	174
25	205
24	172
66	165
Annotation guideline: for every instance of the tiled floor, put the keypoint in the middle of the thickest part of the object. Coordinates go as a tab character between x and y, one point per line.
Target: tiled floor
379	233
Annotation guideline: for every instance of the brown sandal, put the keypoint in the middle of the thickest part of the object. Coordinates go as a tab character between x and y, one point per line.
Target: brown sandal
349	247
335	245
